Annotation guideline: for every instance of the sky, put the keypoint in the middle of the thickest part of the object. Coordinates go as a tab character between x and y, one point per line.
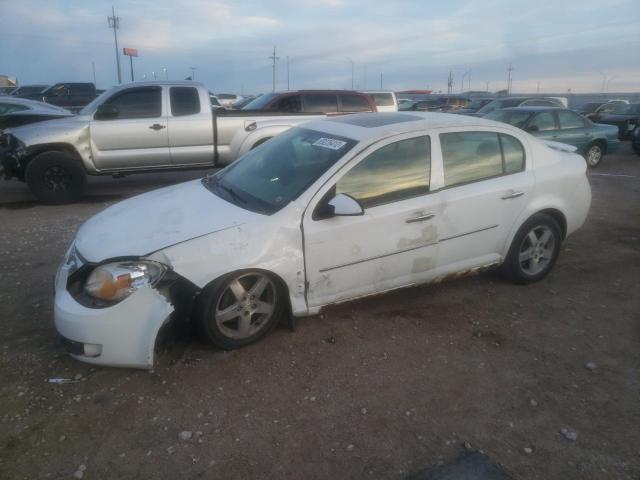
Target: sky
553	45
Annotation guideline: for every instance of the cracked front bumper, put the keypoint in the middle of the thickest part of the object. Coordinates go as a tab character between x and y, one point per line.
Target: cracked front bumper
122	335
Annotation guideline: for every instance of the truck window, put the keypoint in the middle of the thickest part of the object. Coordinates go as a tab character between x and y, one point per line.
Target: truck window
81	88
320	103
354	103
143	102
290	103
184	101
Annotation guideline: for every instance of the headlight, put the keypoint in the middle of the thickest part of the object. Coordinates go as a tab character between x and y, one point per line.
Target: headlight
115	281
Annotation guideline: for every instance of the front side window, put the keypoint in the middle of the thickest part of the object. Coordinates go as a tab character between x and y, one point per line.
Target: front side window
569	119
354	103
144	102
184	101
544	121
320	103
394	172
270	176
472	156
512	117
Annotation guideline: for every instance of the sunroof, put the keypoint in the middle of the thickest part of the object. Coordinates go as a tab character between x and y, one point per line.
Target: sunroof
373	120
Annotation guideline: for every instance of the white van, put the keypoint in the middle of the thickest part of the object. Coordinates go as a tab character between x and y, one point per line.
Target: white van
385	100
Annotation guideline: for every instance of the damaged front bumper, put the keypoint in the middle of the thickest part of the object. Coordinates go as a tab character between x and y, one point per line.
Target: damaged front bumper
12	153
121	335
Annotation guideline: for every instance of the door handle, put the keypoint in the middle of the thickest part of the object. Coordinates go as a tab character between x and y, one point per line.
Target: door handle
420	218
512	194
156	126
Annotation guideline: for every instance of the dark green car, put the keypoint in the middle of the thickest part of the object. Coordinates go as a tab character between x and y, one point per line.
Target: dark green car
592	140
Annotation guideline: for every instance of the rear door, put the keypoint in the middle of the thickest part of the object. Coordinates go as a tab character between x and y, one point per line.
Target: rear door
190	127
573	129
137	137
487	183
544	125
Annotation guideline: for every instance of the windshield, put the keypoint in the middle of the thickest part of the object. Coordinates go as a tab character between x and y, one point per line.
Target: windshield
91	107
496	104
260	102
278	171
515	118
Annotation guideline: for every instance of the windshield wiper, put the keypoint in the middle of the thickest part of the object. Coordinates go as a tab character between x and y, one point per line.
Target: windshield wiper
231	192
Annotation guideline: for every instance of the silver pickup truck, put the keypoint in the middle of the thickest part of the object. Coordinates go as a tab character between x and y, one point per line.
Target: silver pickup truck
132	128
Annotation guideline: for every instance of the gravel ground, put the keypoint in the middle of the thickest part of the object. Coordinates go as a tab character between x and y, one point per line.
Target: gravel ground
544	378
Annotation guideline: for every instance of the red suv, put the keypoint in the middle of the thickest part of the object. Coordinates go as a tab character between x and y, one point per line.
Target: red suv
313	101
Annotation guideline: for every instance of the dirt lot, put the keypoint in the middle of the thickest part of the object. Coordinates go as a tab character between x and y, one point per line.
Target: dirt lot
380	388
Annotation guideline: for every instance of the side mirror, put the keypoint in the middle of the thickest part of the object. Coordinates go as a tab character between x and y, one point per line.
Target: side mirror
345	206
106	112
532	128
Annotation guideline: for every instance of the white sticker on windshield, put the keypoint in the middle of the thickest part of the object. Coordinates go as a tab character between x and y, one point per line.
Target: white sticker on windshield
331	143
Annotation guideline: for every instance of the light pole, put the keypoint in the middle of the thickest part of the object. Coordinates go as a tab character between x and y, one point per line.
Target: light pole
509	79
154	75
93	66
273	59
193	73
604	81
288	84
166	74
608	82
468	72
353	66
114	22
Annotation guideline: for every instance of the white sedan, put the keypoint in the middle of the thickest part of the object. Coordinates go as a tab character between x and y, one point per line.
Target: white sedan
332	211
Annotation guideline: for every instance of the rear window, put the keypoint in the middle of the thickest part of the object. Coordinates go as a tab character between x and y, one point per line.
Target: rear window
184	101
383	99
320	103
260	102
354	103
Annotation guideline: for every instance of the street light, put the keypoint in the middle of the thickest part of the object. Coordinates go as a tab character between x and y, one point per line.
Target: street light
353	65
166	74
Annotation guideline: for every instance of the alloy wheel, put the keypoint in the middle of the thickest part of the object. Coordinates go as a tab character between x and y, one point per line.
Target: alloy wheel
594	155
537	250
246	306
57	179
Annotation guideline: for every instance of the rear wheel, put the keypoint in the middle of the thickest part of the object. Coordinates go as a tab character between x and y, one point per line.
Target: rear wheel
594	154
534	250
239	309
56	178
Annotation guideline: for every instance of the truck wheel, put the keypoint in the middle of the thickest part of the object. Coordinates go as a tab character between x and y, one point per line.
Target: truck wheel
56	178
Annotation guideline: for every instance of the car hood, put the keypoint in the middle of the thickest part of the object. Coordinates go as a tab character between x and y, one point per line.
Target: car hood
65	129
155	220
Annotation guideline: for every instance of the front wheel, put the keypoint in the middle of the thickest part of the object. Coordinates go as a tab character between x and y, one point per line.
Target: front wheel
56	178
534	250
594	154
239	309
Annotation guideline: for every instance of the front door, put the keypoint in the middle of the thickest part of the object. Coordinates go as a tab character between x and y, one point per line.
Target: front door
135	135
394	243
486	185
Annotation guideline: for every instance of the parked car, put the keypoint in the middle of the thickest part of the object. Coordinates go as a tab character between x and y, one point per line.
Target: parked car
324	213
7	90
507	102
20	111
239	104
228	99
385	100
624	116
405	103
592	140
133	128
587	108
313	101
635	140
428	105
474	105
27	90
70	95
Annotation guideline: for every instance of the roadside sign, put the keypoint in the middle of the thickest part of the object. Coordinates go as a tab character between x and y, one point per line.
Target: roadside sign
130	52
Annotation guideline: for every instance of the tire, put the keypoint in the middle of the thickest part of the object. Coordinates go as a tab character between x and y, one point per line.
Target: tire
56	178
239	309
594	154
530	260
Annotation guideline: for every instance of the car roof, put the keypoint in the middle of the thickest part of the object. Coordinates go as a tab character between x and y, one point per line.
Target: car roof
369	126
321	91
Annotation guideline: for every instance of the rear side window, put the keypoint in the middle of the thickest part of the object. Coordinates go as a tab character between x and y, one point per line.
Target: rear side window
544	121
472	156
143	102
392	173
320	103
569	119
354	103
184	101
290	103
